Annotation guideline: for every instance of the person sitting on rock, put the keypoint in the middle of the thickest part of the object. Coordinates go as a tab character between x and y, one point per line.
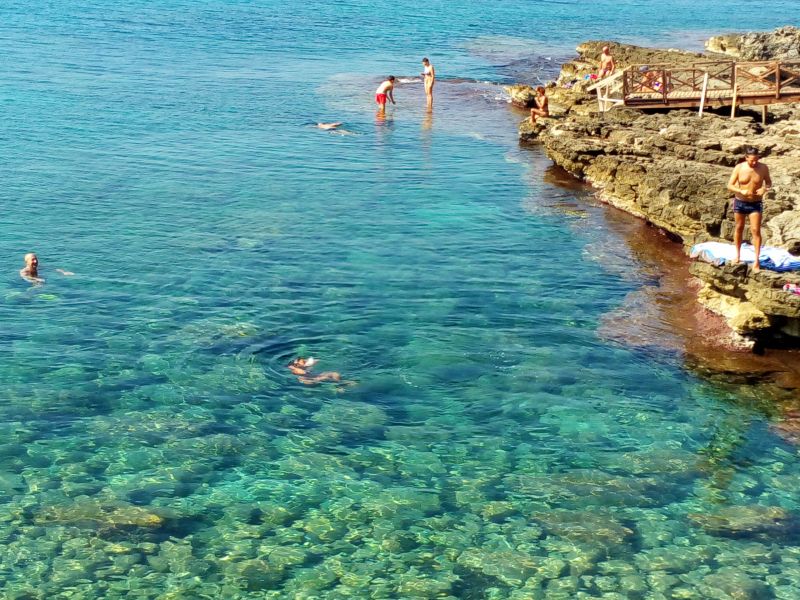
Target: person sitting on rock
541	109
607	65
749	182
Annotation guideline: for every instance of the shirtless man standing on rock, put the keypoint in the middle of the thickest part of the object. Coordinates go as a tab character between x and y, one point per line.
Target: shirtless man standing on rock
749	182
607	65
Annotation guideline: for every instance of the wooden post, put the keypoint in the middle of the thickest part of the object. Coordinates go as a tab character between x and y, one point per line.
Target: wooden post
625	88
777	79
733	105
703	95
764	114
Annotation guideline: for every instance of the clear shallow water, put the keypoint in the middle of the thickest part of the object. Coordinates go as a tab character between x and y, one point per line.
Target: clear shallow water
494	445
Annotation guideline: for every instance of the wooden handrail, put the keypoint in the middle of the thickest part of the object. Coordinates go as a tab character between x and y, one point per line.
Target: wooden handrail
606	80
749	82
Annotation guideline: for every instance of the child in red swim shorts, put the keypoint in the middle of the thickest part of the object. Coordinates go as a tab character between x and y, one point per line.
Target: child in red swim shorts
384	91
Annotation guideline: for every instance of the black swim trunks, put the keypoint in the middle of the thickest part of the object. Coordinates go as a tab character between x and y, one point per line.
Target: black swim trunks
746	208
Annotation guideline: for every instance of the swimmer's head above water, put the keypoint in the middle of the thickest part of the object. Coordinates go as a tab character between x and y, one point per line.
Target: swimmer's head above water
30	271
301	366
31	262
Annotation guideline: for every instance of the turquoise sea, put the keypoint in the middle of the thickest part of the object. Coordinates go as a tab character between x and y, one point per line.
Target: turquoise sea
488	440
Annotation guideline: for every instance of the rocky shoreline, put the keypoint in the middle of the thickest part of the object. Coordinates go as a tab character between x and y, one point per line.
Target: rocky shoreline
671	168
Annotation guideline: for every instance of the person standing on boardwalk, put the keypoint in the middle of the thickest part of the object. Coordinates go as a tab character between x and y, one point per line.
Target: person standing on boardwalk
428	78
607	65
383	92
541	109
749	182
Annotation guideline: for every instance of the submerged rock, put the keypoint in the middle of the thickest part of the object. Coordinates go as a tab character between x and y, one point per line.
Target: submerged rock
735	521
732	583
100	514
585	489
508	566
351	417
593	527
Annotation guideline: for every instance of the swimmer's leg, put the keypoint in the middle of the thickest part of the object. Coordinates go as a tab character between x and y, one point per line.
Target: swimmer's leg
738	230
755	233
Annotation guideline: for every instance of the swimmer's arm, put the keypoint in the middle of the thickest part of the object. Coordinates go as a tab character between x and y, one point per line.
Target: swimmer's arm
30	278
767	185
63	272
390	94
433	72
297	370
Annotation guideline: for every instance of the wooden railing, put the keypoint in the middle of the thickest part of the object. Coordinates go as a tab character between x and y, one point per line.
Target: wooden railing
609	91
767	77
665	78
740	79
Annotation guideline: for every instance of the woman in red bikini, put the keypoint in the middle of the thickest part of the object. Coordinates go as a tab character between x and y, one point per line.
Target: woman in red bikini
383	92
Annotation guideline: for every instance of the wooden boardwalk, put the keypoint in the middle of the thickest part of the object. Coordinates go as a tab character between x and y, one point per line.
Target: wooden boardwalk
701	85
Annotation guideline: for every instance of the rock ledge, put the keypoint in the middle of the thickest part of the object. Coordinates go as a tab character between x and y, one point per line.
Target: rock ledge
671	168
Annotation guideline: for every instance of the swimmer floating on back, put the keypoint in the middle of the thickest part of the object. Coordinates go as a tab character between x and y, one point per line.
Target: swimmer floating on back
334	128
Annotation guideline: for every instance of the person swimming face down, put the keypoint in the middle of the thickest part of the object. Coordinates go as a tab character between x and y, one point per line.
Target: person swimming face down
302	368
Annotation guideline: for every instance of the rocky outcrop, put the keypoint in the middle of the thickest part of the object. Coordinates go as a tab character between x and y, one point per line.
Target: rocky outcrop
750	302
521	95
671	168
781	44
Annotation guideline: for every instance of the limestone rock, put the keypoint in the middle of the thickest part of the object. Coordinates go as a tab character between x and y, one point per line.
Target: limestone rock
783	43
521	95
586	526
734	521
672	169
743	317
100	514
529	132
628	54
509	566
